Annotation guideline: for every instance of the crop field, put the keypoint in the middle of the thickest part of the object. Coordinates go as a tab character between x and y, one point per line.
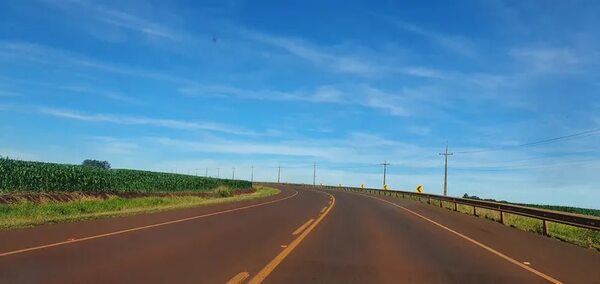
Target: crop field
38	177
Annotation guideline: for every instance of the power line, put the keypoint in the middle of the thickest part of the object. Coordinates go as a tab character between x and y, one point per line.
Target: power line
535	143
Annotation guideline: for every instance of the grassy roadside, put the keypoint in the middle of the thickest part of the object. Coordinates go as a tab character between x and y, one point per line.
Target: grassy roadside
28	214
571	234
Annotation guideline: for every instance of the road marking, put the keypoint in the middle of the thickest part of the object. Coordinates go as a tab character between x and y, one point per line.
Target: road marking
141	228
501	255
264	273
239	278
284	246
323	210
301	228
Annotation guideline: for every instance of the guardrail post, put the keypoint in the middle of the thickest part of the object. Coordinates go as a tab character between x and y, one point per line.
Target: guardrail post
474	210
501	217
545	227
455	206
441	203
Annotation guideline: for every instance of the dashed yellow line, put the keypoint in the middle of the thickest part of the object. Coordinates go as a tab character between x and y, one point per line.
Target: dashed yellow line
72	241
263	273
239	278
501	255
323	210
301	228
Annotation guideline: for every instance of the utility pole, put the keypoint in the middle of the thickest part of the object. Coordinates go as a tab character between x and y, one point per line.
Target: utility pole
278	172
233	173
385	164
252	174
314	173
446	154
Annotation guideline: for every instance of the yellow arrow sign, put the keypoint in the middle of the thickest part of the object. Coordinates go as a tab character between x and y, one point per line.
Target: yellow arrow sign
419	189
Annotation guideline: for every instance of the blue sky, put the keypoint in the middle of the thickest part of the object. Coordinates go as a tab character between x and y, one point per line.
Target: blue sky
347	84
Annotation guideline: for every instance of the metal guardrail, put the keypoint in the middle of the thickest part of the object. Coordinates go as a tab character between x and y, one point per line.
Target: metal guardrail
577	220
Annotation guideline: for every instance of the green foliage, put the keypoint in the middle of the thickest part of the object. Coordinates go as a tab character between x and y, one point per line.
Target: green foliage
223	191
28	214
24	176
96	164
576	210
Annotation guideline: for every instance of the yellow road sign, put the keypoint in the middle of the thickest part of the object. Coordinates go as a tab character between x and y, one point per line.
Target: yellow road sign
419	189
385	187
362	185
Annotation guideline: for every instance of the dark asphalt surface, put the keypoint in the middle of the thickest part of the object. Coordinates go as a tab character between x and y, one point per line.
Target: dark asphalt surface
360	240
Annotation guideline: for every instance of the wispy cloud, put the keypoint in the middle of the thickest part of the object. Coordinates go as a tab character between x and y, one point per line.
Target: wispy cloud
119	18
326	94
366	96
315	55
95	92
547	59
24	51
139	120
113	146
342	62
453	43
354	148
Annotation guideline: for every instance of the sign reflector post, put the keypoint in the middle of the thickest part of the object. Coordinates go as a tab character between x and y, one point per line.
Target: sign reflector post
419	188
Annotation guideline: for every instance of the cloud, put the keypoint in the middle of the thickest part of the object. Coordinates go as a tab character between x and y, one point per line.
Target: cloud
321	94
113	146
547	59
317	56
456	44
17	154
356	148
119	19
23	51
366	96
138	120
337	60
419	130
93	91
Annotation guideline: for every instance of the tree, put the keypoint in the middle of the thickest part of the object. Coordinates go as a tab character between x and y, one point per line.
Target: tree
96	164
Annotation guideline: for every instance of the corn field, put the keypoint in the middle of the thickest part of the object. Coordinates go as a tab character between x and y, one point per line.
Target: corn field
25	176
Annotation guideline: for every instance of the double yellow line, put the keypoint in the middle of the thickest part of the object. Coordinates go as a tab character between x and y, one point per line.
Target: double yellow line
263	273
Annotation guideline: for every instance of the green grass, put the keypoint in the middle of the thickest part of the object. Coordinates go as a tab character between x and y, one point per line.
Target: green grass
571	234
29	214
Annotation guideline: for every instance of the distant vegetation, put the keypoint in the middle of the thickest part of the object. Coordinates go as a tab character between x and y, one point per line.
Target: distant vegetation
577	210
24	176
96	164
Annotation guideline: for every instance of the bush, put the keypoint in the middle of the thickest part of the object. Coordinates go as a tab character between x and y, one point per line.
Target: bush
96	164
223	191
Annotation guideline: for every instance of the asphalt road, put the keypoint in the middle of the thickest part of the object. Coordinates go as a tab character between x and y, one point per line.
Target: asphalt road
298	236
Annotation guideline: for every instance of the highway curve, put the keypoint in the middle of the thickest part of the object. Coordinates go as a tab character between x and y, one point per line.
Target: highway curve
298	236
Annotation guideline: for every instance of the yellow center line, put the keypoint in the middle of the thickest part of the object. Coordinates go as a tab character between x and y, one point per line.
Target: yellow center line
264	273
323	210
501	255
140	228
239	278
301	228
